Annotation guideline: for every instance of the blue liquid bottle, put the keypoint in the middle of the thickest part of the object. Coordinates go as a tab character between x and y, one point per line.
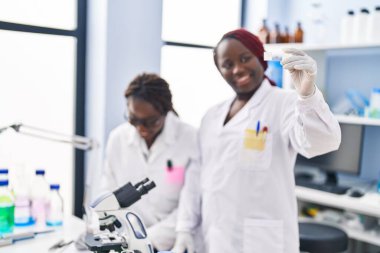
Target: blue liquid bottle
275	72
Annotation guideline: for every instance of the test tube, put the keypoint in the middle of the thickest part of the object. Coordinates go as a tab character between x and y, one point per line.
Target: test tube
273	56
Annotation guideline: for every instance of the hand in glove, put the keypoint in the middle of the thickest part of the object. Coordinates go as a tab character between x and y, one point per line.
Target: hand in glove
184	241
303	70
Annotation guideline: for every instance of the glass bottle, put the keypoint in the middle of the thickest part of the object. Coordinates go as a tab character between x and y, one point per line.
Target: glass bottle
286	36
6	208
298	34
275	35
264	33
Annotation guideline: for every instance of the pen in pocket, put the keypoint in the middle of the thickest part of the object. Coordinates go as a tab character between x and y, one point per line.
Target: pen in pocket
258	128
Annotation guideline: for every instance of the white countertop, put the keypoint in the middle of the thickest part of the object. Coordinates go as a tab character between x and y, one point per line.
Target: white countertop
73	227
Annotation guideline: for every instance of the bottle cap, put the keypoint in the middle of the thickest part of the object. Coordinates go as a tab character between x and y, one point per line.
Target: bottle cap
3	171
273	56
40	172
54	187
364	10
377	8
376	90
4	182
350	12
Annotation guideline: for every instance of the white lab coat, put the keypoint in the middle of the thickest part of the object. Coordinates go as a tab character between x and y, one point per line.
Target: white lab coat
129	160
248	202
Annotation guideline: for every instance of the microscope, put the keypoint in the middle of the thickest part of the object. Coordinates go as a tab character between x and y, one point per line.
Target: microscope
120	230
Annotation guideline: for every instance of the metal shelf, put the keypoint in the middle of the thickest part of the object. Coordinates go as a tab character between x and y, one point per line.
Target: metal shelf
315	47
358	120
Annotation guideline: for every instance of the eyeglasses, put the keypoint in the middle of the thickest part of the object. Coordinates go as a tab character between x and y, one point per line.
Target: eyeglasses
147	122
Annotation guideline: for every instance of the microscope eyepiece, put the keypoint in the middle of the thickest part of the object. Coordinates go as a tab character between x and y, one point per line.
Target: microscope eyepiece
129	194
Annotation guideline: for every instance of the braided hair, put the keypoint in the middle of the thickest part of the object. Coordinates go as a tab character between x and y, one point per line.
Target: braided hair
152	89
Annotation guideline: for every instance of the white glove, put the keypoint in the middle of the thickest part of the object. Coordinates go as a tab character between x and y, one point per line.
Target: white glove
161	237
184	241
303	70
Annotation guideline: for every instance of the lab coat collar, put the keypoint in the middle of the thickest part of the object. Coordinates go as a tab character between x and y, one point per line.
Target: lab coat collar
260	94
253	102
170	131
166	138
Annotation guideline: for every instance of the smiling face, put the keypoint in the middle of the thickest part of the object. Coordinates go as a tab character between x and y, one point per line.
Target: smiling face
239	67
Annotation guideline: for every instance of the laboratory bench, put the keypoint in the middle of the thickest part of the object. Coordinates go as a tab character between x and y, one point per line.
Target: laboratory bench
72	228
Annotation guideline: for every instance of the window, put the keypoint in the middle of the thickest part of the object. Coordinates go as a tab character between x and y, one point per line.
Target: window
190	29
42	83
199	22
194	81
61	14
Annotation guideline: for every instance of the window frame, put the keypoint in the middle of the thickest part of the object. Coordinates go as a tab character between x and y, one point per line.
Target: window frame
79	118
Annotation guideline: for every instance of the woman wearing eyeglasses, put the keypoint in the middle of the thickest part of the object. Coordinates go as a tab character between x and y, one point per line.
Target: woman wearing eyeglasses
153	143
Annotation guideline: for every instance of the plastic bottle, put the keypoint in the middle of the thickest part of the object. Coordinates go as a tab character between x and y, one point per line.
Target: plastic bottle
374	26
274	72
55	207
318	26
6	208
378	183
40	191
346	32
264	32
374	110
360	26
4	174
23	216
275	35
298	34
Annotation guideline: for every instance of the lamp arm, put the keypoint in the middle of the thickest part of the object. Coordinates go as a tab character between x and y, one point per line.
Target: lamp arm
79	142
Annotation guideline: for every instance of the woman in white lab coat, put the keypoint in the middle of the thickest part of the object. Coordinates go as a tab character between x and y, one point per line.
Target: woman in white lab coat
246	196
154	143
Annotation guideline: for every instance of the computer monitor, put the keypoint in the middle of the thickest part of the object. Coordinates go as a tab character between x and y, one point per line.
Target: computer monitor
346	159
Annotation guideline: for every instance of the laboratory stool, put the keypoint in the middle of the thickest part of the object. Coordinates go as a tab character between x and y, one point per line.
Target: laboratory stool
319	238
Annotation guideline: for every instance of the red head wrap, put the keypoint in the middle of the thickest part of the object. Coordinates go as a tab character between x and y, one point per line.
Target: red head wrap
252	43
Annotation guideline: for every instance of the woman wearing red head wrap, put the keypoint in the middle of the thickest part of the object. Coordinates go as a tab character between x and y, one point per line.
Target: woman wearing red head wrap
244	193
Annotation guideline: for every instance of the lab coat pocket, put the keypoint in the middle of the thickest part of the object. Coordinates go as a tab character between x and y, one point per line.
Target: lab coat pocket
263	236
256	153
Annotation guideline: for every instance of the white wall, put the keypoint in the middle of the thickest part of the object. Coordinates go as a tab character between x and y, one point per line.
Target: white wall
123	39
95	83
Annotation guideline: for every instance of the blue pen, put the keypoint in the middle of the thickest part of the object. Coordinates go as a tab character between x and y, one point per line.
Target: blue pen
258	127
